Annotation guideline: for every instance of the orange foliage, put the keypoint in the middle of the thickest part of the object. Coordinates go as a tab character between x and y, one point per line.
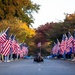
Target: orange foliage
18	28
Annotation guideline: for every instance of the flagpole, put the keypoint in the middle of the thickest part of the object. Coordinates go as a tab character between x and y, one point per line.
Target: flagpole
39	46
40	49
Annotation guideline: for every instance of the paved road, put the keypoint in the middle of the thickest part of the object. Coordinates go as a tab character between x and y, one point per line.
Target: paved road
27	67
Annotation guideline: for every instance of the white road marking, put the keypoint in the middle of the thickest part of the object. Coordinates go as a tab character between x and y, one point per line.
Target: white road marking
39	64
39	69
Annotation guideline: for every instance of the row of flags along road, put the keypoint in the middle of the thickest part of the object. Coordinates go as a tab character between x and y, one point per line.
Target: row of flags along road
9	47
65	48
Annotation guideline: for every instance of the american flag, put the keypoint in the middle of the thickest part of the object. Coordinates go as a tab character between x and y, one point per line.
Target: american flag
54	48
69	42
24	48
74	43
21	53
63	44
14	45
3	38
1	47
65	41
10	40
4	35
58	46
6	44
6	48
17	48
70	37
39	44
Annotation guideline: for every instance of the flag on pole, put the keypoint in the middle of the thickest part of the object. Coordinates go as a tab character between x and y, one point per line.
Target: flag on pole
63	44
74	42
4	35
6	44
39	44
70	38
54	48
6	48
14	45
58	46
69	42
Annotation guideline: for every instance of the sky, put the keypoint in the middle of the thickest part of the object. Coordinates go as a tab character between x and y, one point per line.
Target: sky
52	11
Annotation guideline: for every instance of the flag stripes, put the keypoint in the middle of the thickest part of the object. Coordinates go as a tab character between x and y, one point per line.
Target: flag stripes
67	43
3	38
7	43
6	48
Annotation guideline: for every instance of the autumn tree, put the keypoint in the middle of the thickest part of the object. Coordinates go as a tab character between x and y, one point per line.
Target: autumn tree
20	29
70	21
70	18
21	9
49	32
